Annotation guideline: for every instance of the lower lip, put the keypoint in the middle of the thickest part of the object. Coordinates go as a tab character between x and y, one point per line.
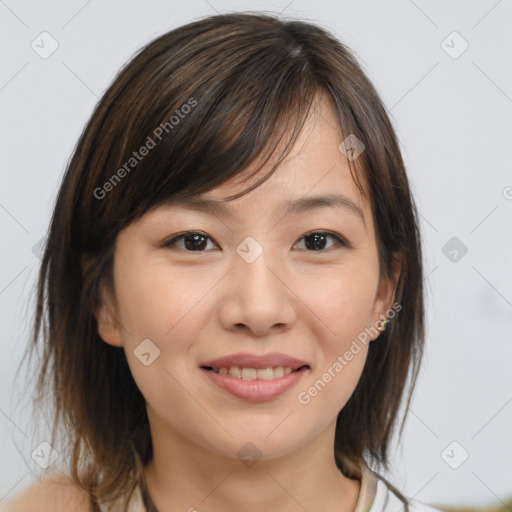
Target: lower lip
255	390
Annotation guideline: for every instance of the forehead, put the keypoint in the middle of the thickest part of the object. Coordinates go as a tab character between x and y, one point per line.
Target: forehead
314	174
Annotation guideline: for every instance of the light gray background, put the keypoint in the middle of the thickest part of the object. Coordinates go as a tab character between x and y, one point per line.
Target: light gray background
453	118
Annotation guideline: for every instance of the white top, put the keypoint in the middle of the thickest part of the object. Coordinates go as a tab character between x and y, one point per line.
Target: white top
374	496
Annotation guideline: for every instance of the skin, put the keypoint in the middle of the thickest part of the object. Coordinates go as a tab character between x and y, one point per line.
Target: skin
197	306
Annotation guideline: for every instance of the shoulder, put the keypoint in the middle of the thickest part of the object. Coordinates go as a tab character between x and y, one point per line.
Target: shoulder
56	491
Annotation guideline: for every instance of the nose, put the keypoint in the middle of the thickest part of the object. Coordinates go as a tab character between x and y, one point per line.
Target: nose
257	297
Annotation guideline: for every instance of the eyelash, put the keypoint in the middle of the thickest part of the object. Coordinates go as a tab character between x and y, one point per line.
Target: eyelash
340	240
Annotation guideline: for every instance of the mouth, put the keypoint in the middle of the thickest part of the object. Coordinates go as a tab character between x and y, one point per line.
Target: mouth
254	384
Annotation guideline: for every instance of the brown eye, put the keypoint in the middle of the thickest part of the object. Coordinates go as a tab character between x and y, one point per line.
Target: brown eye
316	241
193	241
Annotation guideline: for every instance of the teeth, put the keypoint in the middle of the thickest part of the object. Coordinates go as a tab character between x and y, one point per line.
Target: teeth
254	373
265	374
249	374
235	372
278	372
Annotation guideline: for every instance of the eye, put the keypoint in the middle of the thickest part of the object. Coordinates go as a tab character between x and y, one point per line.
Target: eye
316	240
195	241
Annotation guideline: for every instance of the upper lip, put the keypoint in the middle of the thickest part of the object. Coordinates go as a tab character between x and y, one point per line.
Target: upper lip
246	360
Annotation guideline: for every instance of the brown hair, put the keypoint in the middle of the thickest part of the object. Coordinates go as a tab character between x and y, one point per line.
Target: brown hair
246	79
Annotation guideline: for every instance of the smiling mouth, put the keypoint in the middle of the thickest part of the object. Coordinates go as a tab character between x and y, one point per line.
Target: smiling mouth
255	373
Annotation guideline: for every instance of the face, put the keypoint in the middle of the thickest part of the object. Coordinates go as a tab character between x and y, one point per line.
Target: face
246	282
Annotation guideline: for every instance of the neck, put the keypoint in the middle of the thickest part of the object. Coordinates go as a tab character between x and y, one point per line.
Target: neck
184	476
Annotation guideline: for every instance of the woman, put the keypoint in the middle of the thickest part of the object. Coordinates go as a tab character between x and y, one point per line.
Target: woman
211	346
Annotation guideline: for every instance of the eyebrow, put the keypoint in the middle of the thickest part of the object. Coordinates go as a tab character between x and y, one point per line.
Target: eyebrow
290	207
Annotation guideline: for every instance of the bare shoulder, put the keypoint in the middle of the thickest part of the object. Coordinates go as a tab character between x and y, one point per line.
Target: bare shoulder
55	492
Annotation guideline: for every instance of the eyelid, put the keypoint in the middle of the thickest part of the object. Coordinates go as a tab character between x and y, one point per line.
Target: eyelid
169	242
341	240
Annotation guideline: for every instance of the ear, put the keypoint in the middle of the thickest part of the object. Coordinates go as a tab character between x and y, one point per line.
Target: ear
106	311
106	318
385	296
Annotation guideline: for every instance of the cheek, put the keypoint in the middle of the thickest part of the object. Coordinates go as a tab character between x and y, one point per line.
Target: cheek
343	351
157	313
167	307
329	389
156	301
344	304
343	300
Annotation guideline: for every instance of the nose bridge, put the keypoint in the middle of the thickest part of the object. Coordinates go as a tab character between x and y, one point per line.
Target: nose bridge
253	264
256	295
